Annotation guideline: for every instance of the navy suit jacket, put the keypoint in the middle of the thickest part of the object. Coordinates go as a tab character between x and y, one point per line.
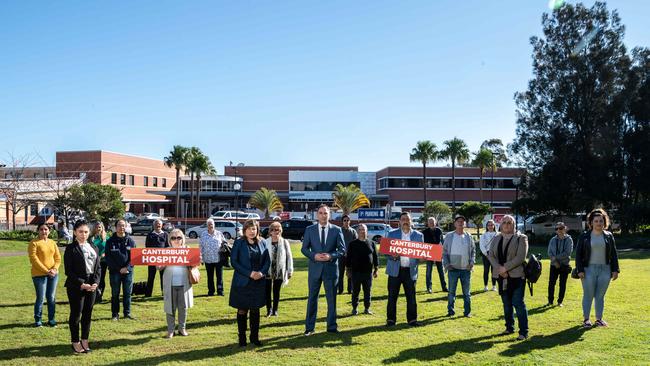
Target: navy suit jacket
241	262
334	246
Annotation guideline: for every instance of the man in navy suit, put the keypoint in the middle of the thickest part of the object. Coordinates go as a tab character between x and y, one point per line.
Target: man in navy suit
323	244
402	271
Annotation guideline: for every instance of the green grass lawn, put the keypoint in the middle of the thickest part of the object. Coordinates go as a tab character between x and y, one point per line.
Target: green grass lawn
555	335
13	246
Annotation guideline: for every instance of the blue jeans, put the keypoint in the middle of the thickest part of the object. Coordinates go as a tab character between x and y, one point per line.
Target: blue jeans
441	274
126	281
45	289
464	276
513	297
594	287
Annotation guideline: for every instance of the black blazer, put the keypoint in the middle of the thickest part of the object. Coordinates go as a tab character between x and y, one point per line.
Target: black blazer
75	266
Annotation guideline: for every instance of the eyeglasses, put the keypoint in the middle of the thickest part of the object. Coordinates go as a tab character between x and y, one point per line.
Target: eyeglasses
176	238
559	228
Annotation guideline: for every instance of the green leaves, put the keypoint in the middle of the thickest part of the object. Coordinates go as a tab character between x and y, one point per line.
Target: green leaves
266	200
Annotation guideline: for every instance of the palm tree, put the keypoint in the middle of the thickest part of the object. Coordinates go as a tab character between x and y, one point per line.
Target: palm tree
203	167
483	159
455	150
349	198
499	158
266	200
177	159
193	156
424	152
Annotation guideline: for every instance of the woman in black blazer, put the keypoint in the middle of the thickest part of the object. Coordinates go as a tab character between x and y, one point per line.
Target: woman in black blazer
82	269
250	260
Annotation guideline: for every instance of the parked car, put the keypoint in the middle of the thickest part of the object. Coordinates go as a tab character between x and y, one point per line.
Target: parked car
545	224
376	231
148	216
130	217
145	226
227	227
239	215
291	229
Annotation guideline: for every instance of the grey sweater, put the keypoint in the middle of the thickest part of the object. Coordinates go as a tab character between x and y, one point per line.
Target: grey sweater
560	249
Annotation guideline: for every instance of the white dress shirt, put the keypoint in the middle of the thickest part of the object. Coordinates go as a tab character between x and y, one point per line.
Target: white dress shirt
405	261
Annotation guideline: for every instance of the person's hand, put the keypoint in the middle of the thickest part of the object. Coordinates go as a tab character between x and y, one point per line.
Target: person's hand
85	286
253	275
581	275
374	274
93	287
614	276
557	265
471	267
124	270
326	257
395	257
160	268
501	270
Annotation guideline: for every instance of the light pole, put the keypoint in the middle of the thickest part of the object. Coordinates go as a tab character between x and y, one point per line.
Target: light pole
236	187
516	181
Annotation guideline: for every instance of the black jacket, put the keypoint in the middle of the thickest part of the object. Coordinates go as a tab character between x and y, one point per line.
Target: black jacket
362	256
583	251
432	236
156	241
75	266
118	252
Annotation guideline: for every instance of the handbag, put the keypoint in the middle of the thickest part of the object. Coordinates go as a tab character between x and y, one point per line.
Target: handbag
194	275
574	273
224	254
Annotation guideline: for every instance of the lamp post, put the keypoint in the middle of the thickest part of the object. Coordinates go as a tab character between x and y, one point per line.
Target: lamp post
236	187
516	181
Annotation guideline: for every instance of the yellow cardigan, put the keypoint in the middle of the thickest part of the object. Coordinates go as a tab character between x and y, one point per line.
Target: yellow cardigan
44	255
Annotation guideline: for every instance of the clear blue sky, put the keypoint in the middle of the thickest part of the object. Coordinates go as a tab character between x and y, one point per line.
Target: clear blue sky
268	82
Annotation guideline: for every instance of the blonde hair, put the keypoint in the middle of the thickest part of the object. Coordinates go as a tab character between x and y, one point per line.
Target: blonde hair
178	232
508	217
274	225
97	226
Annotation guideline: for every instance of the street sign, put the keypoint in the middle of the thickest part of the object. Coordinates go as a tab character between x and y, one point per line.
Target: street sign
372	214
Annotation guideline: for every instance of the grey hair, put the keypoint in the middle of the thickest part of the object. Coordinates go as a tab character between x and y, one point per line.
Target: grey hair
157	220
209	221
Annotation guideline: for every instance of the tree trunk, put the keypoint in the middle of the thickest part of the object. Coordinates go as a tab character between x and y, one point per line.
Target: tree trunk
453	185
424	183
198	195
492	187
178	192
192	194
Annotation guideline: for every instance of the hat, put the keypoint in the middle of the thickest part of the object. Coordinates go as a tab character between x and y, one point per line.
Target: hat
459	217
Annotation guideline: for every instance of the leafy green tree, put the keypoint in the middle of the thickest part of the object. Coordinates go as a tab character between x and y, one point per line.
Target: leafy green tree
176	159
99	202
484	160
475	212
438	210
349	198
266	200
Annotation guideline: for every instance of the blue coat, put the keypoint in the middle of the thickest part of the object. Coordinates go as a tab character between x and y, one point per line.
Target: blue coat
241	262
334	246
393	265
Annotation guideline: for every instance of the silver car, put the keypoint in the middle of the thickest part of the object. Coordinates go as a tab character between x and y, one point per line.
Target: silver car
376	231
226	227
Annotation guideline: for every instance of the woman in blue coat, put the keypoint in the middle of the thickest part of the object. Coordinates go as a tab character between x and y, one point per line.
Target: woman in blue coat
250	261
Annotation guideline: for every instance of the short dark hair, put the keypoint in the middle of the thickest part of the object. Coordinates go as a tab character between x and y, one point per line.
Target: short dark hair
38	228
118	221
595	213
405	213
79	224
346	216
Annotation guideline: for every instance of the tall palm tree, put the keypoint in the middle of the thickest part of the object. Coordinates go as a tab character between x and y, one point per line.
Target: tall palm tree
203	167
349	198
424	152
499	158
193	156
177	159
266	200
483	159
455	150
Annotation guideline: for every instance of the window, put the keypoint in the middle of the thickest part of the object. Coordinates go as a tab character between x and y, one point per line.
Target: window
155	181
113	178
164	182
38	175
33	209
82	175
123	179
131	180
146	181
50	175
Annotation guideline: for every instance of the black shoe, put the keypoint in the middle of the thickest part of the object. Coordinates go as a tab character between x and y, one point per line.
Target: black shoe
429	290
333	331
129	316
450	314
390	323
468	315
115	317
256	342
415	323
354	311
275	313
219	293
507	332
368	311
445	290
210	293
308	333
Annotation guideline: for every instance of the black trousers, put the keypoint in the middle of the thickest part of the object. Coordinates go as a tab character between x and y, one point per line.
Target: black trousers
361	279
394	283
102	281
342	277
554	274
486	271
151	277
211	268
81	310
273	286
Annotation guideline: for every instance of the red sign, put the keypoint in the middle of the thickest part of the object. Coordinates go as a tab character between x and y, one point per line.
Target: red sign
165	256
285	215
411	249
497	218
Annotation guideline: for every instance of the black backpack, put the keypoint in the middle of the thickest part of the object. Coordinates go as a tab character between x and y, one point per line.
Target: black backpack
533	271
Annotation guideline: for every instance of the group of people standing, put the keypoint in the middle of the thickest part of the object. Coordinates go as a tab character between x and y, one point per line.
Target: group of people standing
263	266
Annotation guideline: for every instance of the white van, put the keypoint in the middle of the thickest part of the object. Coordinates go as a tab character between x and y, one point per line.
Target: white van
545	224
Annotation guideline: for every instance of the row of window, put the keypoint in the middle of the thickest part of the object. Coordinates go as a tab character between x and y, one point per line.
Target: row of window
420	204
211	185
318	186
131	178
433	183
36	175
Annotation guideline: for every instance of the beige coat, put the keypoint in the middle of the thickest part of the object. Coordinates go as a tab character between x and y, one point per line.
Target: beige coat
515	257
167	290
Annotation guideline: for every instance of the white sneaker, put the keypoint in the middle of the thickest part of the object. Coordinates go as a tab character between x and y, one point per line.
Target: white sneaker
494	288
486	289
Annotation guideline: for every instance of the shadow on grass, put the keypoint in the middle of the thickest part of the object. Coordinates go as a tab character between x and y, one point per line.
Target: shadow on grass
533	311
55	350
318	340
542	342
444	350
29	304
190	325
